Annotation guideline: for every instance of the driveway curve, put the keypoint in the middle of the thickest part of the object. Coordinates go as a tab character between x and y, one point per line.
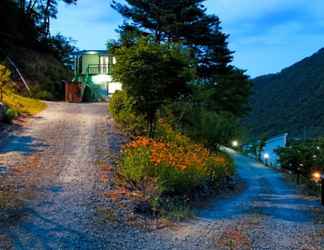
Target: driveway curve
53	163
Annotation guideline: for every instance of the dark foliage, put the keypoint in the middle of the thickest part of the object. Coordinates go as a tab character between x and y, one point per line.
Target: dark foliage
303	157
186	22
44	60
151	75
290	101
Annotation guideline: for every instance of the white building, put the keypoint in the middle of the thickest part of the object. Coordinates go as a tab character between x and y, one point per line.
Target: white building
268	155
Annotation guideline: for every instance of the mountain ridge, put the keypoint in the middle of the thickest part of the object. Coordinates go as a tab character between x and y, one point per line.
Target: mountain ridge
291	100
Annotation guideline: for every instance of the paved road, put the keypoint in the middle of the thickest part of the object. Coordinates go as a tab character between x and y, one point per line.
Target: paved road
268	214
53	164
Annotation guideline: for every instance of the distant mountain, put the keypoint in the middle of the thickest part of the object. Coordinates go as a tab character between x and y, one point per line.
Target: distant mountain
291	101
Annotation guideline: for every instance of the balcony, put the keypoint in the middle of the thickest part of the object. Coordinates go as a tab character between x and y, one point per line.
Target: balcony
99	69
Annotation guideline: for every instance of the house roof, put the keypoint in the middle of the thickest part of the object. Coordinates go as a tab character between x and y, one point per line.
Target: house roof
99	52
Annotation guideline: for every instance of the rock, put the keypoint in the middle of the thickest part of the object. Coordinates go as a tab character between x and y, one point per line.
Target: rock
2	111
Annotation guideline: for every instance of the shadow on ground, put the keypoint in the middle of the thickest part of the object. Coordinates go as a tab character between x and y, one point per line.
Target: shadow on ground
25	145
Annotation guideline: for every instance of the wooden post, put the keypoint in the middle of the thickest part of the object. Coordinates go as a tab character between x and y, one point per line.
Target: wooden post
66	91
298	178
322	190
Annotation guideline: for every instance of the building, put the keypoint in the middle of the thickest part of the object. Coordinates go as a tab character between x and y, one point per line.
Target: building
268	154
94	69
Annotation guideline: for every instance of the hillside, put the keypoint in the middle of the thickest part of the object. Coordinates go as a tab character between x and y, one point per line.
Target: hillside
290	101
43	72
43	59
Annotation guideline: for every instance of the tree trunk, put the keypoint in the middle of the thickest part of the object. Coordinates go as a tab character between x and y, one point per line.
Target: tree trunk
46	18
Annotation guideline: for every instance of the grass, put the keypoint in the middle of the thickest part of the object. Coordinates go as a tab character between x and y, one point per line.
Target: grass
23	105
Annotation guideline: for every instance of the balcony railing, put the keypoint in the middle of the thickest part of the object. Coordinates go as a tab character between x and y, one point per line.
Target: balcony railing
99	69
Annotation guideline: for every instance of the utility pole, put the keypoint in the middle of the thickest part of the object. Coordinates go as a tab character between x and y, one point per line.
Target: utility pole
322	190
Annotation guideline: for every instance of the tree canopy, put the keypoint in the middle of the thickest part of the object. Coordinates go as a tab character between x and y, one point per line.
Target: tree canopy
185	22
152	74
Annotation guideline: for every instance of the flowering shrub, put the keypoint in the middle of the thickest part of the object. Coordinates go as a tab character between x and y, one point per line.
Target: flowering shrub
177	165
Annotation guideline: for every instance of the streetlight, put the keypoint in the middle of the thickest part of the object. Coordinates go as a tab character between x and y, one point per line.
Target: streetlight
235	144
266	157
319	177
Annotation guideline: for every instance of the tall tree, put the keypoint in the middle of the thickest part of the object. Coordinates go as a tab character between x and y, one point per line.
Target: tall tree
152	74
182	21
49	10
186	22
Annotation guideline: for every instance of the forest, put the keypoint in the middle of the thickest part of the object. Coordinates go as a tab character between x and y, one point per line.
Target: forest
289	101
43	58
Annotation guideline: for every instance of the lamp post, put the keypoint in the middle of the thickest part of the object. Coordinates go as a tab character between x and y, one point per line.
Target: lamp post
319	177
266	157
298	172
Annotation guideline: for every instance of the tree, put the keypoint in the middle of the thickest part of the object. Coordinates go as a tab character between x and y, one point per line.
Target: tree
63	49
186	22
182	21
303	157
152	74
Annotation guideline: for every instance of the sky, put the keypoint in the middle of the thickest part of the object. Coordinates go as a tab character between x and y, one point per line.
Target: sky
266	35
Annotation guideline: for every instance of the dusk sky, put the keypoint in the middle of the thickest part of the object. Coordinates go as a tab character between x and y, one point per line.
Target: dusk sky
266	35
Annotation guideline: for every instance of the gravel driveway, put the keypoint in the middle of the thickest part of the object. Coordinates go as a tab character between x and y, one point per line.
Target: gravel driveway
54	163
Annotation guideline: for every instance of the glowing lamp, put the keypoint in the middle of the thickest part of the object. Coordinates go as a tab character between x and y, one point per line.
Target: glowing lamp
235	144
317	176
266	156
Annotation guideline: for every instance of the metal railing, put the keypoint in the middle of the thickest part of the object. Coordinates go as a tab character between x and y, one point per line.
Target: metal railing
96	69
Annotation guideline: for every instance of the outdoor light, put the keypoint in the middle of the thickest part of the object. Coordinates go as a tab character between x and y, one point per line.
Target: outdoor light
266	156
92	52
235	144
319	177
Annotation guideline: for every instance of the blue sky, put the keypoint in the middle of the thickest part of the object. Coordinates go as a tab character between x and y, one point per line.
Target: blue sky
266	35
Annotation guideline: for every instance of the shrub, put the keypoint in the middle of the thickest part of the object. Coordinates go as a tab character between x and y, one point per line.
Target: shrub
10	115
176	167
23	104
4	80
121	107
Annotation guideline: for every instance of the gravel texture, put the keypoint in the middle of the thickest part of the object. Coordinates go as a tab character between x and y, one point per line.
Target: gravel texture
55	170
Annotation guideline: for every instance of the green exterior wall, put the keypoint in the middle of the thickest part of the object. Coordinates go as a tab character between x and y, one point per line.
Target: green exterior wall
88	60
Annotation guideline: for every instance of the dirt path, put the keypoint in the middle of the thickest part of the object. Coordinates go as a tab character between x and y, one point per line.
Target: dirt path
55	165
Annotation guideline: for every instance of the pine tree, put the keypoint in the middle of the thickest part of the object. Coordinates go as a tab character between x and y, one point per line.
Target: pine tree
186	22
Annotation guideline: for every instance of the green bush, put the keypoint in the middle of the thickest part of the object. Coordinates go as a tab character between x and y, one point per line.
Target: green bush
121	108
201	124
173	181
10	115
136	165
